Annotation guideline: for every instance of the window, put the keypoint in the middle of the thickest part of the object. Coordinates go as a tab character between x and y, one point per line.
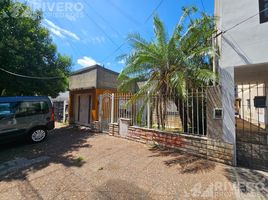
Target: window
6	110
31	108
263	6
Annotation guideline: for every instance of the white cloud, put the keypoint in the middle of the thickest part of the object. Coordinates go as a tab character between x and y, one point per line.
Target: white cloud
98	39
86	61
94	40
122	62
58	31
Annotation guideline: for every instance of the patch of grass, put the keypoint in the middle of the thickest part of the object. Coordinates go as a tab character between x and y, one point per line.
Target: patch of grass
66	123
157	146
80	161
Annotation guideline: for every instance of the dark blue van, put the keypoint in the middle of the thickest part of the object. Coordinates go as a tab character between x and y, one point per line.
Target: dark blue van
28	117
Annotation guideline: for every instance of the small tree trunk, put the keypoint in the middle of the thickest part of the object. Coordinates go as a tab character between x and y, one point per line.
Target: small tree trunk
157	113
164	112
161	113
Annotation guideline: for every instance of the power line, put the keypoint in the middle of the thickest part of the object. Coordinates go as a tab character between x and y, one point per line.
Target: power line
30	77
106	21
156	8
203	5
147	19
238	24
101	29
116	50
122	12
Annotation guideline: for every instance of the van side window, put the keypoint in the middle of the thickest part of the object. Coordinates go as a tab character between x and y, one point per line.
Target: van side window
6	110
31	108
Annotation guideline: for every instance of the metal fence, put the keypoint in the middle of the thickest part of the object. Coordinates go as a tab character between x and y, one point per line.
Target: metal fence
136	110
170	113
251	110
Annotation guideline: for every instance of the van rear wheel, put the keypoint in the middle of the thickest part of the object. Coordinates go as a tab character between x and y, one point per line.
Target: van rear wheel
38	135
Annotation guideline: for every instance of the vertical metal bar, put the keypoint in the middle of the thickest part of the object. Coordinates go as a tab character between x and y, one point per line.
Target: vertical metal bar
258	111
129	107
148	111
133	110
243	107
206	113
115	108
266	110
64	112
126	106
193	111
187	109
112	109
123	113
203	113
197	110
183	117
118	105
250	116
100	107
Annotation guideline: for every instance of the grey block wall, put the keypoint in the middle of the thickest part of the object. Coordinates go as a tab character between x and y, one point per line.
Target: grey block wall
106	79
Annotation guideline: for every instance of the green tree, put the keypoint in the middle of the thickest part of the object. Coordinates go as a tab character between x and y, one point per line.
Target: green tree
171	65
26	48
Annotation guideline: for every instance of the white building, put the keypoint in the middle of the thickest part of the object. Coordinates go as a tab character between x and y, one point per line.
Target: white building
243	46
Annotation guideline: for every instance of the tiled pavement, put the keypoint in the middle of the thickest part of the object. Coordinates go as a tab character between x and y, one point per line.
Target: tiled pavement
75	164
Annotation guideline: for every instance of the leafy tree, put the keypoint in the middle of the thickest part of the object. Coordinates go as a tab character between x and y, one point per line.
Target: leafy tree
26	48
171	65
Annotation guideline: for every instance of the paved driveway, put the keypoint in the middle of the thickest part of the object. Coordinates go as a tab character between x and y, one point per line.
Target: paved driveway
75	164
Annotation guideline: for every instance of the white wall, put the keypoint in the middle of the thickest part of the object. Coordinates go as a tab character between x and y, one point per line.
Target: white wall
244	45
248	42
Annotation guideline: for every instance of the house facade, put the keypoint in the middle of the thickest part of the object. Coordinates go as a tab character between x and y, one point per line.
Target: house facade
242	39
85	87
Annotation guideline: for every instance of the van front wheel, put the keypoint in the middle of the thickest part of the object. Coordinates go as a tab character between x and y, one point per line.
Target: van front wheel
38	135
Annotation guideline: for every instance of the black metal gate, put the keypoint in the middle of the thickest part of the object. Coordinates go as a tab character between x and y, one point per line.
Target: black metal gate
251	125
105	106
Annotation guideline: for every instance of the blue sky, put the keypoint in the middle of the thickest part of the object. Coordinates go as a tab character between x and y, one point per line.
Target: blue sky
89	31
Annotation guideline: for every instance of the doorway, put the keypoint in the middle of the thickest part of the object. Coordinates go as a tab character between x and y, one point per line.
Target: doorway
84	107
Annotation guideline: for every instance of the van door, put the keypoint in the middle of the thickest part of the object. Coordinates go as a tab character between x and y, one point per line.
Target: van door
8	122
31	114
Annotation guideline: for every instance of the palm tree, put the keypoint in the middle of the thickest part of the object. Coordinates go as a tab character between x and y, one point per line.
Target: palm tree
170	65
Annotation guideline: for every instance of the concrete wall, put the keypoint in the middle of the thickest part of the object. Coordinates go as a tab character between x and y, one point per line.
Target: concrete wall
84	80
244	45
248	42
106	79
214	126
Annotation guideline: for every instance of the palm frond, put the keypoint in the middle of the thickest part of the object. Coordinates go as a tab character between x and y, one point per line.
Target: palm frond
160	32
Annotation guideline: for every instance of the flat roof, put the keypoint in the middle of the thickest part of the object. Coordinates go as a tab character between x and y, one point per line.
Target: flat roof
90	68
